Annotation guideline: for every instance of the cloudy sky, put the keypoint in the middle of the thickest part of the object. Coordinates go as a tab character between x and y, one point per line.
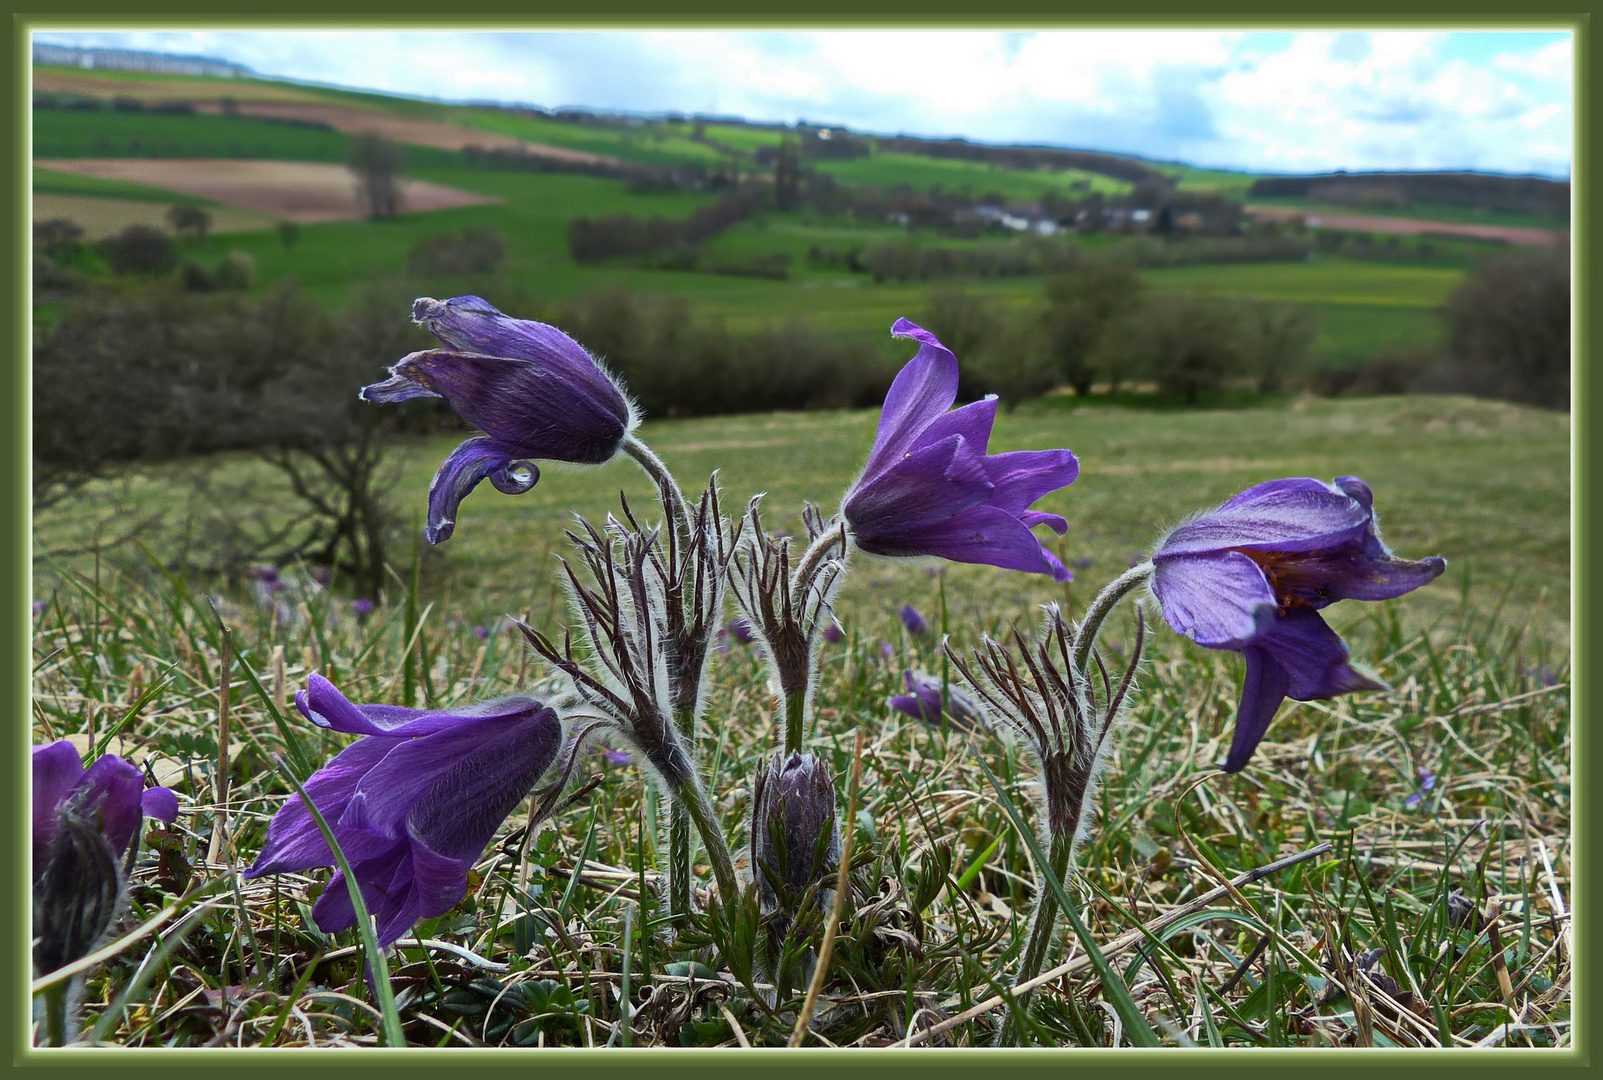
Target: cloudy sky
1271	101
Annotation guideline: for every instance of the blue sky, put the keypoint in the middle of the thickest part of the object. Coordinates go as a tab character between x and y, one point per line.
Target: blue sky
1270	101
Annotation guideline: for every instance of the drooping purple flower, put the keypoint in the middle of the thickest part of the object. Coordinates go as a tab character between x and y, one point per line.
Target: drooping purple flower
913	619
413	804
834	633
923	701
534	392
111	792
362	607
930	488
1253	575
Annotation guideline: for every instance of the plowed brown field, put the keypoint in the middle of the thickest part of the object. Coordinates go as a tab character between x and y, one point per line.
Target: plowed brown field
301	191
1412	226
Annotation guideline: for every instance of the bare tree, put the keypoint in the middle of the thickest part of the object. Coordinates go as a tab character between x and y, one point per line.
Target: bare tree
379	166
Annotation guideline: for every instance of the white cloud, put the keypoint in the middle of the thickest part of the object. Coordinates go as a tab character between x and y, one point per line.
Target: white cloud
1301	101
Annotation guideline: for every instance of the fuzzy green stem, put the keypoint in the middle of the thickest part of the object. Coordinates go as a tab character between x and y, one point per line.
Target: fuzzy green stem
795	718
667	487
1106	600
681	852
58	1024
693	798
1043	924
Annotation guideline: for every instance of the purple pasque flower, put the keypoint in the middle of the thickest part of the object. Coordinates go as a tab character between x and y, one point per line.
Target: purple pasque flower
930	488
362	607
534	392
111	792
913	619
834	633
1253	575
413	804
923	701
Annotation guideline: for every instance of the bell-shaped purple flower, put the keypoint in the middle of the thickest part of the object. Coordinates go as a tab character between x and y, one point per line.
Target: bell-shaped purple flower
413	804
930	488
913	619
1253	574
795	839
533	391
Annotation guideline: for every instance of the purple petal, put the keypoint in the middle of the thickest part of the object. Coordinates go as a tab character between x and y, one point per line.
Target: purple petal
395	389
160	803
1314	656
1262	691
983	534
926	486
1221	601
469	463
922	391
1323	580
1024	476
913	619
57	769
1295	515
917	708
294	842
972	421
117	789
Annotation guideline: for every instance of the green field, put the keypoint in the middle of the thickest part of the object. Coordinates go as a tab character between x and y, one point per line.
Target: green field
888	170
86	133
54	182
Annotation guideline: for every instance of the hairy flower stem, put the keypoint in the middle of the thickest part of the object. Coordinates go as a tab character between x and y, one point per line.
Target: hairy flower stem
795	718
667	487
681	848
1106	600
817	552
693	797
1043	924
57	1020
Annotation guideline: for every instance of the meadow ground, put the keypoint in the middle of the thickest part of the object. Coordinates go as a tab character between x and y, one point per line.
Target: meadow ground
1440	917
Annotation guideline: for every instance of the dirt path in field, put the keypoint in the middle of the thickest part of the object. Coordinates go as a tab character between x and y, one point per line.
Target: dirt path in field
1413	226
272	102
404	129
302	191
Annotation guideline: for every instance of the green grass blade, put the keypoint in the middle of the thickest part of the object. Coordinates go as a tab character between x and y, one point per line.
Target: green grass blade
377	964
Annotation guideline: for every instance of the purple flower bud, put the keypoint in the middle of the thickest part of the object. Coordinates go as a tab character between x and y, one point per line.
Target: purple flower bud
834	634
794	836
413	804
85	824
482	633
533	391
923	702
932	488
38	607
1253	575
362	607
887	650
913	620
738	630
617	757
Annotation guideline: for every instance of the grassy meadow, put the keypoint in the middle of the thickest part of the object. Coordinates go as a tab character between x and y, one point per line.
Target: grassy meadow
1450	790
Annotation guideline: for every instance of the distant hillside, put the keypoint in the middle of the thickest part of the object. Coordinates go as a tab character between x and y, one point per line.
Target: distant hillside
1482	191
1028	157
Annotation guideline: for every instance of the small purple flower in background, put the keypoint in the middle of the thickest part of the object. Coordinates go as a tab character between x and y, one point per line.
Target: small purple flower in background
1542	674
1253	575
38	607
931	488
887	650
321	576
834	634
1083	562
362	607
617	757
1427	781
923	701
413	804
268	584
85	826
534	392
913	619
735	630
482	633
